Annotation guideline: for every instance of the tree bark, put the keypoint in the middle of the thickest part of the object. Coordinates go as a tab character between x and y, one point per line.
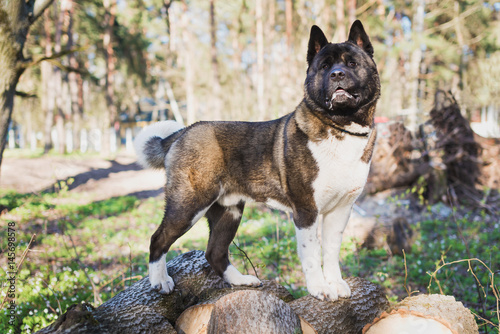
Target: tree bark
139	309
345	316
15	20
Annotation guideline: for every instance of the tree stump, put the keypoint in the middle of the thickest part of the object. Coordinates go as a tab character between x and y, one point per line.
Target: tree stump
252	312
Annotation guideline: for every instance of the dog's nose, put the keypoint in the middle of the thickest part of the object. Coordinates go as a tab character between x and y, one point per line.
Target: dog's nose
337	75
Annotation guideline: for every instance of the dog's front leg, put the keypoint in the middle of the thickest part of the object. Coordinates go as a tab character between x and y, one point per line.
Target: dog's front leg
334	224
309	249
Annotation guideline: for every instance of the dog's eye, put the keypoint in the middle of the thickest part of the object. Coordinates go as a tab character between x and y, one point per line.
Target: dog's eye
351	64
325	66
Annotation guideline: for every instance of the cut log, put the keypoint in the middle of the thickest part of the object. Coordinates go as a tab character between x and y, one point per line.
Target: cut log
408	322
195	320
434	313
346	315
251	311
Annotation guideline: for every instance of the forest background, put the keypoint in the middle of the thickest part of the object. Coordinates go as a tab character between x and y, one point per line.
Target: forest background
90	73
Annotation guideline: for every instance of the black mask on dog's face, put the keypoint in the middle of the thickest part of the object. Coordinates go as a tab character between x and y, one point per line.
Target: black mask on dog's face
341	78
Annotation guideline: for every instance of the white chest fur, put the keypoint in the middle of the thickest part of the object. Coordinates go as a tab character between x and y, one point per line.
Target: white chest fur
342	174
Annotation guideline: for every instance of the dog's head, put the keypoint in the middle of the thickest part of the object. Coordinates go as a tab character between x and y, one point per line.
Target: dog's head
341	78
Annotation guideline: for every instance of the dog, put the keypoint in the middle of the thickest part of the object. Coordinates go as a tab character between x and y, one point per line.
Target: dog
313	161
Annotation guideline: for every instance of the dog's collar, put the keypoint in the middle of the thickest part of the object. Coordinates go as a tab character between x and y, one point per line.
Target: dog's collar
357	134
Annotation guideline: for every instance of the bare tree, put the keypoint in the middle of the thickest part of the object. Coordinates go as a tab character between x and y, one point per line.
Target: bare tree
16	17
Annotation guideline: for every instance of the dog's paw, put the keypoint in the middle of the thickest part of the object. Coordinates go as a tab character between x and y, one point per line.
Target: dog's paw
322	292
234	277
164	287
159	278
249	280
342	289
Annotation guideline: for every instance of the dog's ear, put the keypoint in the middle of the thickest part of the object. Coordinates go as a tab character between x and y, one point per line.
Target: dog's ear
317	40
358	36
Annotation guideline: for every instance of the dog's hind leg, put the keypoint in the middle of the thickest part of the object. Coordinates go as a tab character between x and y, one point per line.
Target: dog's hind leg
178	219
224	222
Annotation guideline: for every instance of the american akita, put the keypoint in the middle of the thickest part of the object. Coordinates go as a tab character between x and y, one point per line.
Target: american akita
312	161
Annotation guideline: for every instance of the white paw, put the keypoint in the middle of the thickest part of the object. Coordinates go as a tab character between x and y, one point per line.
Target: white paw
159	278
234	277
322	291
342	289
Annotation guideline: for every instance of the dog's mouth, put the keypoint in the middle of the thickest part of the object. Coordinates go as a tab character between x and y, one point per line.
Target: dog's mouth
339	96
340	93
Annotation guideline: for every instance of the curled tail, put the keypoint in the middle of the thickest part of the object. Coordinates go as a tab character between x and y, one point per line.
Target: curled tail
148	143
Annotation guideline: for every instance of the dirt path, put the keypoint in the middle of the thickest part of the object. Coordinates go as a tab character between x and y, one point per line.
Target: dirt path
94	178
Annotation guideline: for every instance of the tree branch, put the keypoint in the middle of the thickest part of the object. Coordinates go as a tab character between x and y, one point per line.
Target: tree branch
40	6
53	59
25	95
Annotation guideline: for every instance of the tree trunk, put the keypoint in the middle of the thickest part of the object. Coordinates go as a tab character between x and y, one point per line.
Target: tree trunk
57	82
73	79
173	103
216	98
351	11
415	61
189	67
260	60
289	27
15	20
9	77
48	99
111	110
341	30
138	309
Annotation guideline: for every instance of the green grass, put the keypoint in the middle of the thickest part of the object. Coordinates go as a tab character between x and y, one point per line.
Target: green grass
89	252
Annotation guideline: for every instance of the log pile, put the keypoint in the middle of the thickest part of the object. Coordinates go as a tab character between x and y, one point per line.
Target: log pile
203	303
